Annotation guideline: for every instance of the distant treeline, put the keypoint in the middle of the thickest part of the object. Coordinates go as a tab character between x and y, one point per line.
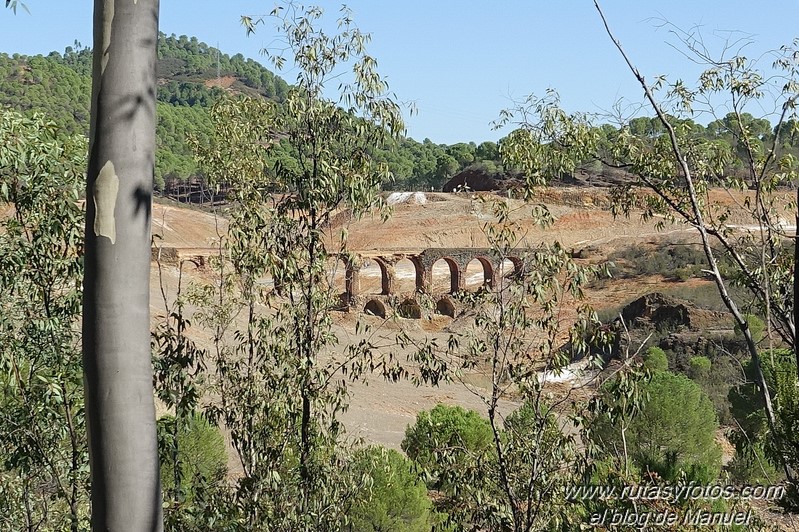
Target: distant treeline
59	85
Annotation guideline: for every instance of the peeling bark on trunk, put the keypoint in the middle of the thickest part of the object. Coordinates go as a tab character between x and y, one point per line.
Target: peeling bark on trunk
126	493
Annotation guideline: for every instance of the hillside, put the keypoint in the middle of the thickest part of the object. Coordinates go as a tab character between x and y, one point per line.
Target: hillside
191	76
59	85
380	412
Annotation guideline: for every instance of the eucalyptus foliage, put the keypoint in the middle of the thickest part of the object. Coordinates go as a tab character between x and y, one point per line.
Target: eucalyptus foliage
279	377
519	340
179	381
672	165
679	169
44	475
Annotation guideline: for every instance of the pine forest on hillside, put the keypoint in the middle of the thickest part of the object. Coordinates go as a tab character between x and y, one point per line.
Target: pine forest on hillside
193	75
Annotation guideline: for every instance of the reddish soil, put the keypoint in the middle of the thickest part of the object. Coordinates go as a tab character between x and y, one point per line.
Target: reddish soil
224	82
181	227
380	412
444	220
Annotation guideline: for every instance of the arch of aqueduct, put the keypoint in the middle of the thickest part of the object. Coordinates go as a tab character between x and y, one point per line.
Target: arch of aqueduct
391	296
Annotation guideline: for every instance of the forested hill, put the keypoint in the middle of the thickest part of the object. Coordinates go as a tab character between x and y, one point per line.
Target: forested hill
191	75
60	86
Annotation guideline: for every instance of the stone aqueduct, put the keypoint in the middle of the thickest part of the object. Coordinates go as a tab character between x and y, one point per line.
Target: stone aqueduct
391	297
412	304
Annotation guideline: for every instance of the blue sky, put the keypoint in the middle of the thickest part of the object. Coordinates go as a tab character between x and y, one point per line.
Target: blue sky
462	62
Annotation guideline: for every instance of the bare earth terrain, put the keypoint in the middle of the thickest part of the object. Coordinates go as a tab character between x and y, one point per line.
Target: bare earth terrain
379	411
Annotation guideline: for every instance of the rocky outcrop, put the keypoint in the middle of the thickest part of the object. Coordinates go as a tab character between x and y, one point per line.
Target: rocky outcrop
471	180
675	325
665	312
479	181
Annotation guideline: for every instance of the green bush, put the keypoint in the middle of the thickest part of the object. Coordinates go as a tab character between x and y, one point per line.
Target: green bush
673	434
458	450
699	367
201	454
542	462
394	499
447	438
716	376
655	359
746	402
754	440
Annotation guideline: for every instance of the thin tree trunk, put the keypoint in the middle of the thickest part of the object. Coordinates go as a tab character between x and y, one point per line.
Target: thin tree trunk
698	222
796	279
126	492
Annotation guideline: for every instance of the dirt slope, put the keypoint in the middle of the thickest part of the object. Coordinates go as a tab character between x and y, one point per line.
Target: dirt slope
380	411
458	220
174	225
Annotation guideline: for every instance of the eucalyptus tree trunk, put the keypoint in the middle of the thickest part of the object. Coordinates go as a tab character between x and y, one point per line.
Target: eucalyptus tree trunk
126	492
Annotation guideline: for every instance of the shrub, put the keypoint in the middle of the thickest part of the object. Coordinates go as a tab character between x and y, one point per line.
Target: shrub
454	449
655	359
699	367
750	465
674	432
746	403
716	377
445	439
395	499
779	371
541	462
200	452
